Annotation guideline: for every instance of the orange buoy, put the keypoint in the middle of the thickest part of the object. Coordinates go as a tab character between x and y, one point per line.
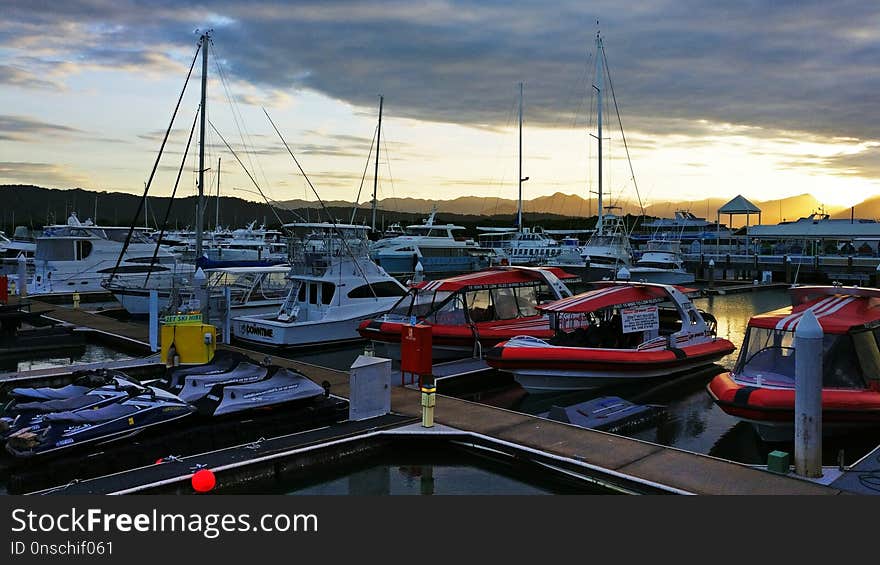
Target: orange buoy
203	480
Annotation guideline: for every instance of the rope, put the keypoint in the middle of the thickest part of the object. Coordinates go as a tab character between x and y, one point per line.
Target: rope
364	176
171	200
342	238
234	154
155	166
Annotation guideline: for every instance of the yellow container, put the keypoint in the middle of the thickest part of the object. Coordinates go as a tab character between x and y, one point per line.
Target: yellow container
191	341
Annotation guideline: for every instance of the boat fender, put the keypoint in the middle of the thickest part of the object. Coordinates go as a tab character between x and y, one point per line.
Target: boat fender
679	353
326	385
741	396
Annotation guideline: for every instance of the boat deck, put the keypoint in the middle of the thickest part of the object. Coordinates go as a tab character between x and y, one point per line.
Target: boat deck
863	477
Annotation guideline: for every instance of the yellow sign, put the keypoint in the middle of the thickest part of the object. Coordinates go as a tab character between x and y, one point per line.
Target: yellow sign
183	319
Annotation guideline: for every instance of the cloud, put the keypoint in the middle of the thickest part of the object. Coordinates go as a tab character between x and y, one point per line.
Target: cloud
23	128
677	67
42	174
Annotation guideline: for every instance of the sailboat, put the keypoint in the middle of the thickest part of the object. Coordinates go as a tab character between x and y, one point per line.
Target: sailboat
529	246
608	249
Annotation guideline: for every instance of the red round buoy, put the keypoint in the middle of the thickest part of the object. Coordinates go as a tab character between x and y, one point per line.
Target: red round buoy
203	480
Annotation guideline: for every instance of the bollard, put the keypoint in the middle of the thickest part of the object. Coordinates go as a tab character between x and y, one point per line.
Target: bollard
22	276
711	273
419	274
429	399
808	396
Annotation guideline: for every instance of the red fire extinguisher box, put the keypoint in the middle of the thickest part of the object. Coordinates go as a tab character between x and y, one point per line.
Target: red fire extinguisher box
4	289
415	350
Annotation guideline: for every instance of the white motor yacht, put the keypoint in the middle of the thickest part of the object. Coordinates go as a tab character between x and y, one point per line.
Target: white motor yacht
334	286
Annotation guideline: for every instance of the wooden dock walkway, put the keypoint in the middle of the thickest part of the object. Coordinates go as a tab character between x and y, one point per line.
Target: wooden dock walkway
733	289
138	333
686	471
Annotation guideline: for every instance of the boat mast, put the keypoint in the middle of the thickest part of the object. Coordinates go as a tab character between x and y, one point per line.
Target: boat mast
200	204
217	217
598	87
376	173
519	223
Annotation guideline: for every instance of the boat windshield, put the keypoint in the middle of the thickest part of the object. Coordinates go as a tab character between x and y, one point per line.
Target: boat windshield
418	303
767	358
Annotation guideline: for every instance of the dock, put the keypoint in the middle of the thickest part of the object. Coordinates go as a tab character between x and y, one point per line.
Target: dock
616	458
738	288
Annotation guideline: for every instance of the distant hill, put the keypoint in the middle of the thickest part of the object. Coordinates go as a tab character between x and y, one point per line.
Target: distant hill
36	206
869	208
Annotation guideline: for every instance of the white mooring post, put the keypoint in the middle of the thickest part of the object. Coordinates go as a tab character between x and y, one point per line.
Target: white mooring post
227	317
201	288
22	276
808	397
154	320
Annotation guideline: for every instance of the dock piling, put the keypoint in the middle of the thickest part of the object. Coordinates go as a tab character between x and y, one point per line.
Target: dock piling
22	276
711	273
808	396
154	320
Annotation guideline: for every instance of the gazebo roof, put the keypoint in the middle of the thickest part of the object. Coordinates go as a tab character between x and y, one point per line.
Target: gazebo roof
739	205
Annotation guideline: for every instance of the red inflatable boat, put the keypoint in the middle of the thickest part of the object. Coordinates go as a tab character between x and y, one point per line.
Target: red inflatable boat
761	387
616	333
482	308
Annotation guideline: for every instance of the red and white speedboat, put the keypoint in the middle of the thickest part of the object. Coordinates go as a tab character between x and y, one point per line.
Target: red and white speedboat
614	334
761	387
482	308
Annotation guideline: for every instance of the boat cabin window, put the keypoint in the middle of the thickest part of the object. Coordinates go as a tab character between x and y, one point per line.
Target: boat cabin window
768	355
55	250
452	313
83	249
316	293
380	290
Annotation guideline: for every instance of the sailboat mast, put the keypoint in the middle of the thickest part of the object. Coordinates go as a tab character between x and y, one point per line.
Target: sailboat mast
519	209
598	86
200	204
376	172
217	216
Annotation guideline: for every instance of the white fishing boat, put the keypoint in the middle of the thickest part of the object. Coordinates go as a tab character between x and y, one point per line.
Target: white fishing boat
333	287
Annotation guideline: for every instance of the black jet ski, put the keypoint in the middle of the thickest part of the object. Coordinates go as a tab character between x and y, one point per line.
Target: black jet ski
83	382
280	387
23	411
58	431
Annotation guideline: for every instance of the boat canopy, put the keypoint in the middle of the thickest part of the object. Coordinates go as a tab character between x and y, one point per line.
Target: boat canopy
498	277
618	296
839	310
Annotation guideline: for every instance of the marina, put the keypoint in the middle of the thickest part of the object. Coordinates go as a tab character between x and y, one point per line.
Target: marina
334	334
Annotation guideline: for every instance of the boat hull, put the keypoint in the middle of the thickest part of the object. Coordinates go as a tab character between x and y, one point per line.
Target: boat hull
553	368
771	410
264	330
455	342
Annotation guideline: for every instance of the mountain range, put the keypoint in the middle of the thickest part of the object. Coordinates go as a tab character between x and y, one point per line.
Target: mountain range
35	206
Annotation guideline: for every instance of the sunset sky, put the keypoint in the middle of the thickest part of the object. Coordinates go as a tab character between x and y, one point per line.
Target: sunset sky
766	99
